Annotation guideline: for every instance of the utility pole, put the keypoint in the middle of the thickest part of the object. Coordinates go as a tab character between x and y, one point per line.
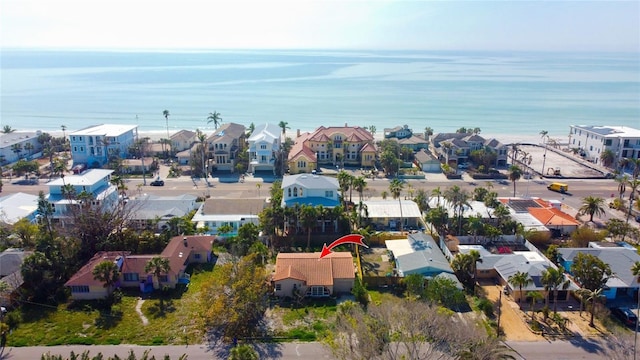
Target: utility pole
499	309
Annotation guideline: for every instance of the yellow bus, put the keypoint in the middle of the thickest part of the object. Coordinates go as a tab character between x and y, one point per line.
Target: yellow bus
559	187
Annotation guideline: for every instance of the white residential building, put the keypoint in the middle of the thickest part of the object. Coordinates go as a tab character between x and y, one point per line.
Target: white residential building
18	145
214	213
623	141
93	145
95	182
314	190
264	147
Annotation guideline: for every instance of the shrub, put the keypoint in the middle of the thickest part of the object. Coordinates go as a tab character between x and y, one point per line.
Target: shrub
486	306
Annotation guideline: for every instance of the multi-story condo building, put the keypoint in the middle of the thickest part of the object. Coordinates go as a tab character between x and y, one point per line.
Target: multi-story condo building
225	144
623	141
92	146
264	147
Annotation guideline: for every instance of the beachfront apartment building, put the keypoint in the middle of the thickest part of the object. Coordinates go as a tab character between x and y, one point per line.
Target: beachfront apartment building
19	145
336	146
623	141
225	144
93	145
264	148
71	192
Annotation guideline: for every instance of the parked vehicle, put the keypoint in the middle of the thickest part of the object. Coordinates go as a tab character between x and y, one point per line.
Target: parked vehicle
559	187
625	315
157	183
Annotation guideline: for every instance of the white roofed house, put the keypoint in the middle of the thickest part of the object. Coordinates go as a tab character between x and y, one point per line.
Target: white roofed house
72	191
183	140
214	213
18	145
93	145
385	214
14	207
264	147
152	212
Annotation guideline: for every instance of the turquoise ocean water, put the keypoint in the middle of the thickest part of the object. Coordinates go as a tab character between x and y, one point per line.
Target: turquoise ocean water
502	93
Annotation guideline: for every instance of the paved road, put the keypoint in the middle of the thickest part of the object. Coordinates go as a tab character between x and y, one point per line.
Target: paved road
579	348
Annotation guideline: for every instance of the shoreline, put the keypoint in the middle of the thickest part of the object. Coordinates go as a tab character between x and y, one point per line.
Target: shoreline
156	135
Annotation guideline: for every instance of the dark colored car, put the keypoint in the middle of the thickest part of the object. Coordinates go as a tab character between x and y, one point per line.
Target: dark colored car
625	315
157	183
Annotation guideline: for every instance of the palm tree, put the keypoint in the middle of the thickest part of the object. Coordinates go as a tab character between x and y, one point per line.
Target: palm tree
520	279
607	157
359	184
158	265
28	147
17	148
372	130
544	134
166	115
622	185
592	205
106	272
118	182
251	129
459	199
515	173
64	134
215	118
395	188
437	193
535	297
476	258
284	126
7	129
344	181
590	296
202	137
309	217
553	279
428	132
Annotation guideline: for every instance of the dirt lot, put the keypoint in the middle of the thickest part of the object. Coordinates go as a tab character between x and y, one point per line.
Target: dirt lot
513	319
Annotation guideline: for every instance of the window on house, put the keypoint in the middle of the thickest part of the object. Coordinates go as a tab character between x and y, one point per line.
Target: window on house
278	287
130	277
73	138
75	149
289	192
328	194
197	256
79	289
163	278
295	191
263	147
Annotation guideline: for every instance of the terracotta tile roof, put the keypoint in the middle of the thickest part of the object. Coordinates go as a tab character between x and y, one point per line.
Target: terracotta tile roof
180	248
314	270
355	133
552	217
84	276
299	148
369	147
135	263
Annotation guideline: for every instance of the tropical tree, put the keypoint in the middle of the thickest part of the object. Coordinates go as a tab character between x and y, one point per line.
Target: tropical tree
215	118
462	265
166	115
475	259
592	205
520	279
535	296
64	133
309	218
395	189
437	193
157	266
251	129
428	132
202	138
28	147
372	130
284	126
459	199
7	129
607	156
591	273
243	352
345	181
359	184
17	148
553	279
515	173
107	272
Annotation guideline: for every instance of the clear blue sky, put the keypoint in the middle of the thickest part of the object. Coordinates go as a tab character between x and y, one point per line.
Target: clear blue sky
373	24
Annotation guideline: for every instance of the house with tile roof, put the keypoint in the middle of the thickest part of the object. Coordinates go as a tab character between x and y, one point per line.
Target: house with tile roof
301	158
225	144
214	213
93	145
181	251
619	256
310	190
334	145
455	148
311	276
264	148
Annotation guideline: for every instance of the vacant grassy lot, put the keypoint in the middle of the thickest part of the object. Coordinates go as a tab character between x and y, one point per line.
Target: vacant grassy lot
375	262
175	322
308	321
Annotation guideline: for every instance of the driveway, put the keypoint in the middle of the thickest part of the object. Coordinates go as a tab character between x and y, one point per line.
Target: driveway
511	321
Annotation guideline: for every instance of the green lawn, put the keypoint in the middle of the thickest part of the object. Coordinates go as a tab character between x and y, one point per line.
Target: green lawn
87	323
